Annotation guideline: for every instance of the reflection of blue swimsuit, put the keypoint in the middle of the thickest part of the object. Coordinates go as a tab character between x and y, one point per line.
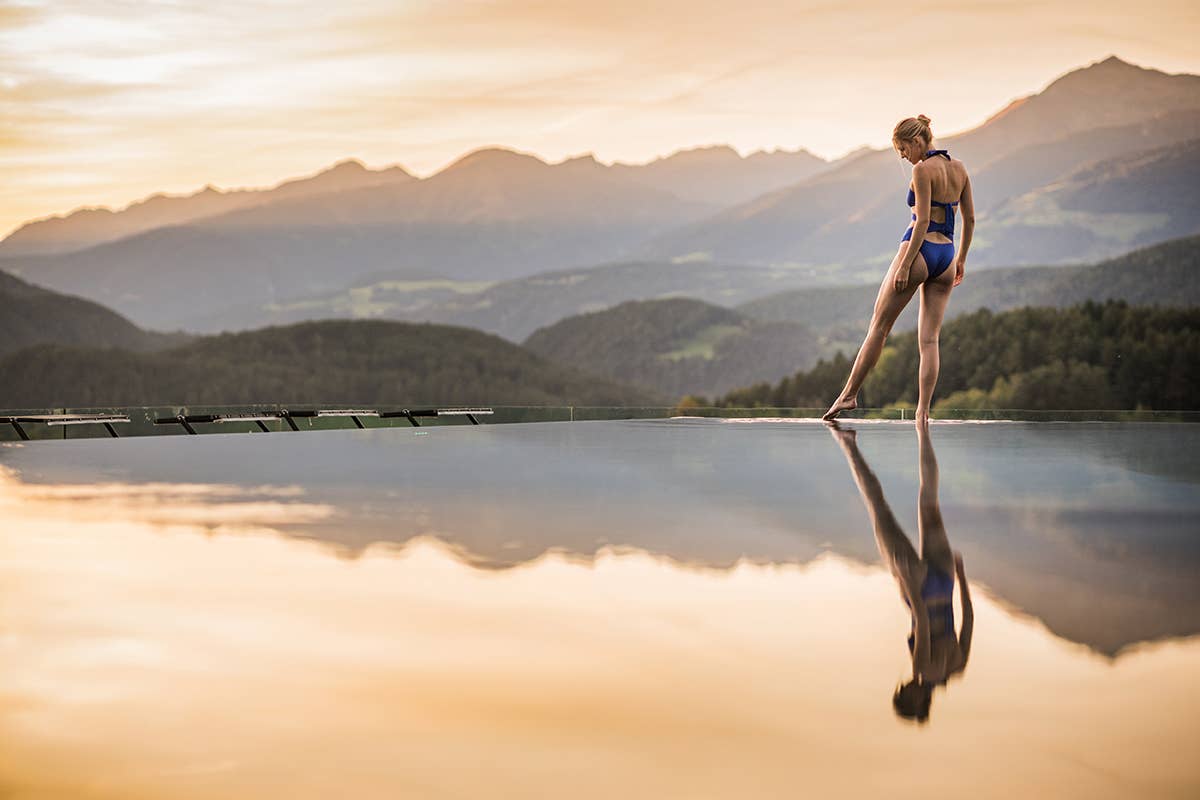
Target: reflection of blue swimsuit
937	585
938	255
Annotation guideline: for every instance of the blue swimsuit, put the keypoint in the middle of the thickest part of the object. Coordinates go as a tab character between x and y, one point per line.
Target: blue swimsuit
938	255
938	586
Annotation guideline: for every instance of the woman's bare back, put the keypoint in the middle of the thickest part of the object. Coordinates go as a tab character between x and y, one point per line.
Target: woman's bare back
946	182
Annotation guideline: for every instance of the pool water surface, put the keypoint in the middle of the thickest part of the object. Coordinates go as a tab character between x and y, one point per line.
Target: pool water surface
681	608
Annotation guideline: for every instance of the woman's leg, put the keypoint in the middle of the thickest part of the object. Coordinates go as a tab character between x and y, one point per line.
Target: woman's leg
895	548
935	295
888	305
935	545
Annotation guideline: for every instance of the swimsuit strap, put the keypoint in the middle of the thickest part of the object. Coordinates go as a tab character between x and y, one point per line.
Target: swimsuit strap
929	153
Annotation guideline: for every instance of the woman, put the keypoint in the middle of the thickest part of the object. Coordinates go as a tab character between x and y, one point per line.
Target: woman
923	261
926	580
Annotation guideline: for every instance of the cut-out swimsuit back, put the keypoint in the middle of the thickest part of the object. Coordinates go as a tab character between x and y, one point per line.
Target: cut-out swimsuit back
938	255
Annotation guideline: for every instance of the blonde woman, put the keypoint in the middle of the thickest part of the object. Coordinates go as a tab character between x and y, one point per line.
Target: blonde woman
939	183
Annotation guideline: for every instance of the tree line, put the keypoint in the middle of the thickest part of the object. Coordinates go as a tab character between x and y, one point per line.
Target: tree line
1108	355
369	362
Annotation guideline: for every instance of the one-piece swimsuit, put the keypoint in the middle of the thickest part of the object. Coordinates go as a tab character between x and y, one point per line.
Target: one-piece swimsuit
938	255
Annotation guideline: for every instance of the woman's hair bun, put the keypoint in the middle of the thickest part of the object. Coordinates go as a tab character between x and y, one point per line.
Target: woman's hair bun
910	129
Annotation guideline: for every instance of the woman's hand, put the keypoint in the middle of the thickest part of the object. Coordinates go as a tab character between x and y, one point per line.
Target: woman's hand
960	269
901	279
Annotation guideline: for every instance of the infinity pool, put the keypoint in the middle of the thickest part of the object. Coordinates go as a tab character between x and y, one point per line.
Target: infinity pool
665	609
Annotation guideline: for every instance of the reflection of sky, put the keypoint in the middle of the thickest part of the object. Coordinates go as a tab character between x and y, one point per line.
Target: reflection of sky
143	656
1089	527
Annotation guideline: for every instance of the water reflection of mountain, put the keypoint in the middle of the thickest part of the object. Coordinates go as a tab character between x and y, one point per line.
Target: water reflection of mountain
1088	527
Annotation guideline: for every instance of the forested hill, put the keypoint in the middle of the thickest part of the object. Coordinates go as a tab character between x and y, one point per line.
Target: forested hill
677	346
1093	356
32	315
342	361
1164	274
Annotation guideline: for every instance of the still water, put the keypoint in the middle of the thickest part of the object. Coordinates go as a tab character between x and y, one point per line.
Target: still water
666	609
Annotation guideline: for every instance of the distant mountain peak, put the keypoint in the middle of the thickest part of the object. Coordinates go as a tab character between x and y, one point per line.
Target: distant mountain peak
1114	64
710	153
495	157
1104	93
348	165
1104	70
1108	62
349	173
782	151
724	153
585	164
706	150
701	153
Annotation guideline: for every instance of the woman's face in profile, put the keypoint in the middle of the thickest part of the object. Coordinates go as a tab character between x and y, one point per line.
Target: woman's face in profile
906	150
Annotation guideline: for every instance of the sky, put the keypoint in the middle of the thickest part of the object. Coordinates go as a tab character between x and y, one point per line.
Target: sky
103	102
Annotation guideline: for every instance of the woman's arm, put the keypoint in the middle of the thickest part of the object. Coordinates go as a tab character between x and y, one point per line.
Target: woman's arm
968	611
967	206
923	193
921	646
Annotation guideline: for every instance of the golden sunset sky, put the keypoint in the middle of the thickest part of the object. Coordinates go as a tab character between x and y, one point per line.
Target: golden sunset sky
102	103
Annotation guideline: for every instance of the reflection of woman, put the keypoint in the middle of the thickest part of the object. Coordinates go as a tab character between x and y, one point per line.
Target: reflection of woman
926	581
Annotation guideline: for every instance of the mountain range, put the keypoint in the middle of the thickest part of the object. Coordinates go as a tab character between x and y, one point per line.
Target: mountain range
492	214
87	227
847	221
1105	159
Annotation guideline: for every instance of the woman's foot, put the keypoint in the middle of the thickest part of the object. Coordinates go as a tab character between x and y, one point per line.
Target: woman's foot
922	416
846	437
840	405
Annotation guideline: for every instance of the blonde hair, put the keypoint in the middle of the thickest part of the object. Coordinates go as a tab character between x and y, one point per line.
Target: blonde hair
912	129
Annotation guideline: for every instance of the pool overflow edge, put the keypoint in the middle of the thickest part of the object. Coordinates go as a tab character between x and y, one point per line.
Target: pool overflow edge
49	420
187	421
147	419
